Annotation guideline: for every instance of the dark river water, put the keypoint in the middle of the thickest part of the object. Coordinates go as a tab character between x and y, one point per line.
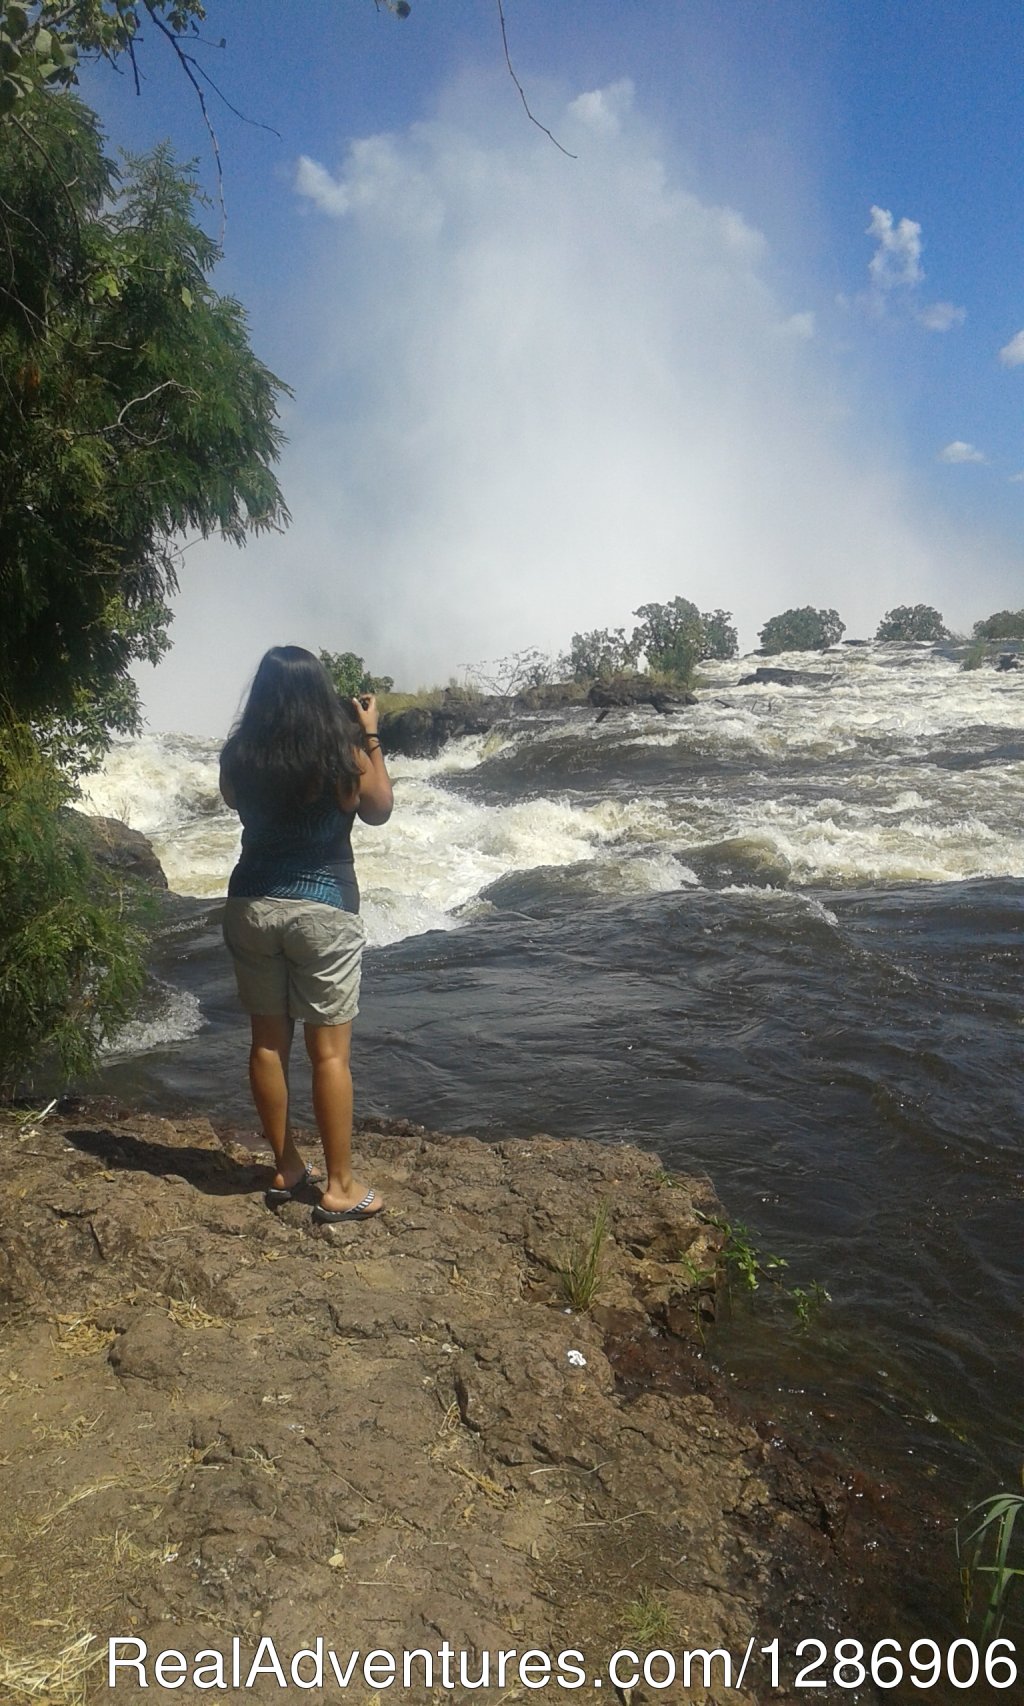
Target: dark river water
777	940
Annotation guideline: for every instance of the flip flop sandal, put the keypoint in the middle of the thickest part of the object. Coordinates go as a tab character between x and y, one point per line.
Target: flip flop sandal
360	1211
277	1198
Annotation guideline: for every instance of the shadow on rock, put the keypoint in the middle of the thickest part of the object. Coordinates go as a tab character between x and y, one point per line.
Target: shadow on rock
209	1171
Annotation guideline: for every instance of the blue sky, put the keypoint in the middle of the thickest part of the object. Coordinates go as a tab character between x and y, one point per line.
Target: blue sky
744	348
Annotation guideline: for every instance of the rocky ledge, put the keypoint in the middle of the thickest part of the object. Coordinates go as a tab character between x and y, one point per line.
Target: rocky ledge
125	851
421	731
221	1421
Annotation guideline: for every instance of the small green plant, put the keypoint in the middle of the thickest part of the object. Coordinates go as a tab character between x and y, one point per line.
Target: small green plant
697	1275
974	656
749	1266
580	1275
986	1551
808	1300
742	1257
647	1620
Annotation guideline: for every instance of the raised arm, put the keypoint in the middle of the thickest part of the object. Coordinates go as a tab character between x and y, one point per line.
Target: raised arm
376	798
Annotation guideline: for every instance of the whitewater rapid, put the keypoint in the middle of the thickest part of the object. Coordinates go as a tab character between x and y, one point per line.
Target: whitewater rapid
896	766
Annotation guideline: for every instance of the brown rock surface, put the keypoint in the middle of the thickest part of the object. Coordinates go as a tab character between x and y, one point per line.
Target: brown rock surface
126	851
220	1421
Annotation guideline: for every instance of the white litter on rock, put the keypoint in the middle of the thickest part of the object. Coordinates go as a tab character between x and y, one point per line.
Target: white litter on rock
577	1359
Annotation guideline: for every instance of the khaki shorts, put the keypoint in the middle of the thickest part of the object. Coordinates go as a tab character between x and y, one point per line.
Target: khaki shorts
295	958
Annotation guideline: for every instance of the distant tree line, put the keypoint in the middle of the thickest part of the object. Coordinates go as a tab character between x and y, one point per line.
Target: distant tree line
1003	625
672	638
670	641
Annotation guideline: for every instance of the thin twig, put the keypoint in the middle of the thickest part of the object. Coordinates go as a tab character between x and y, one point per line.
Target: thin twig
135	64
613	1521
186	62
522	92
257	123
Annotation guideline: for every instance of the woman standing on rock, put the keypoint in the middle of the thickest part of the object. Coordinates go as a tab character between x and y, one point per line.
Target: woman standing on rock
298	768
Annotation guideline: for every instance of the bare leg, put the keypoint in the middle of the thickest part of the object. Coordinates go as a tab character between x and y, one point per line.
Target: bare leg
328	1047
268	1077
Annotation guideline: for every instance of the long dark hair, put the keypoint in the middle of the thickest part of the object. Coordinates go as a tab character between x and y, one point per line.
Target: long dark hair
295	739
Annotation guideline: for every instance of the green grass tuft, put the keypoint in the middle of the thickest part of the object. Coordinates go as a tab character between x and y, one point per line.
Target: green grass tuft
985	1554
581	1275
648	1621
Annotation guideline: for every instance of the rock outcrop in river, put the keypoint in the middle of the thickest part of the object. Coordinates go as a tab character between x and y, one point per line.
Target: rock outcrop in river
421	731
121	849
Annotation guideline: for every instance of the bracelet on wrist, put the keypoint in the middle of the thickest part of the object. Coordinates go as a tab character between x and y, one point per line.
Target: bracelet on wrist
370	737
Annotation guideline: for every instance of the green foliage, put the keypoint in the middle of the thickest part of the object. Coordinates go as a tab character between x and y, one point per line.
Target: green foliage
742	1257
672	638
40	43
992	1550
599	654
1002	625
580	1276
720	637
801	630
70	941
975	655
912	622
41	40
133	412
748	1266
351	676
36	49
647	1621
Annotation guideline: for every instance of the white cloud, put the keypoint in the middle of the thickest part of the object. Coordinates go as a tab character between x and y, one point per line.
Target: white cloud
941	317
895	267
897	260
1016	479
959	451
801	326
313	181
1012	354
377	181
603	110
532	393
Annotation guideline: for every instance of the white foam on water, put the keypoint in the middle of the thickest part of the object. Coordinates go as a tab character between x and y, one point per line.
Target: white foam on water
855	782
178	1016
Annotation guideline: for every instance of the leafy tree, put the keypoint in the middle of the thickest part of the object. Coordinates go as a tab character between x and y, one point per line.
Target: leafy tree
599	654
801	630
134	411
351	676
41	40
671	636
912	622
503	678
70	939
40	43
1003	625
720	637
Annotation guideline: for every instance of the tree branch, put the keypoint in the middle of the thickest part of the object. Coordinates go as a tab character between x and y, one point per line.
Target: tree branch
186	62
522	92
